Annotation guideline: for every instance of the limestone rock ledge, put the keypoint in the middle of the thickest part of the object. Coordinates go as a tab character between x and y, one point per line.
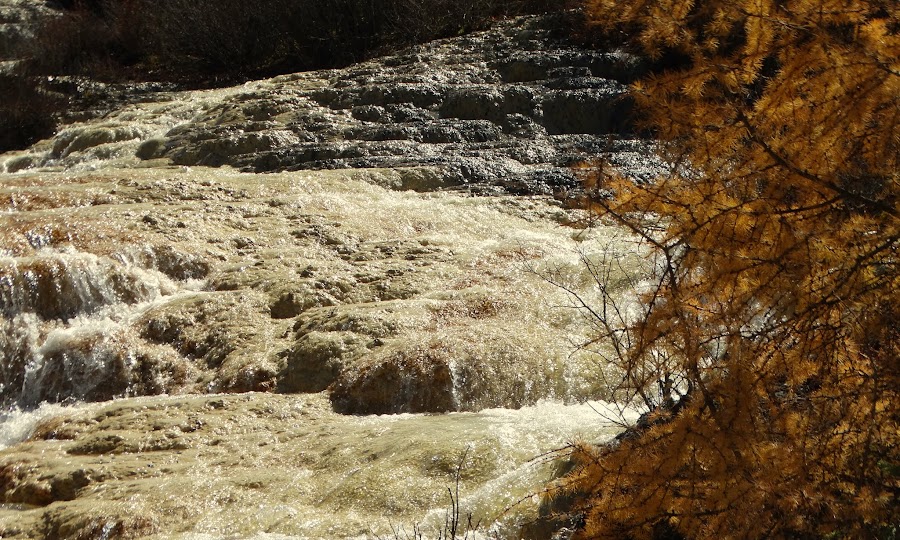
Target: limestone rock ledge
506	110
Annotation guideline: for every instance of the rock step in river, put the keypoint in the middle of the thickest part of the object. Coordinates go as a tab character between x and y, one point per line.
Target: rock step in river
509	109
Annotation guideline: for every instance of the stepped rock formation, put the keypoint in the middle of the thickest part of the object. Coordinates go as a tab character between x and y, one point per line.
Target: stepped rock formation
509	109
210	280
257	276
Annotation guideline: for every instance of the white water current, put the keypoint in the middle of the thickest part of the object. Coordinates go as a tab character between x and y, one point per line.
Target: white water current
320	475
113	139
199	353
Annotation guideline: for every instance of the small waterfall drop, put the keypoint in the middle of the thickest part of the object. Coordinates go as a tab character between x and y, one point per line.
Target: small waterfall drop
369	264
62	284
64	318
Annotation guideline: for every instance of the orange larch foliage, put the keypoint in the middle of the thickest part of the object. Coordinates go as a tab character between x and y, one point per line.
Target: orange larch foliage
777	234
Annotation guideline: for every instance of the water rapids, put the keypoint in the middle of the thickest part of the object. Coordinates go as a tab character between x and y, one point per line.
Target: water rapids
296	308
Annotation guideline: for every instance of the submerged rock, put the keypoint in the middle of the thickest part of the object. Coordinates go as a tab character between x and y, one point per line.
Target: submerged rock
63	284
346	271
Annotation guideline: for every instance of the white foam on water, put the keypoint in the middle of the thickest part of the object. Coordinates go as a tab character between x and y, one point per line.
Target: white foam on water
373	471
111	141
68	305
61	283
521	444
16	425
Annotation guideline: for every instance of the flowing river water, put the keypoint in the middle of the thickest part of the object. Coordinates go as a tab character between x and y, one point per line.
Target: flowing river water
195	346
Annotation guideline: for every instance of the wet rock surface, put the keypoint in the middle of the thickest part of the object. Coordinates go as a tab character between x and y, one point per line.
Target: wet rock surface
508	108
211	280
505	110
272	466
17	21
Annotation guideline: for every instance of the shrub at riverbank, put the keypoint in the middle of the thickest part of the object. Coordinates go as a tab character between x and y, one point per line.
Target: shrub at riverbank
769	352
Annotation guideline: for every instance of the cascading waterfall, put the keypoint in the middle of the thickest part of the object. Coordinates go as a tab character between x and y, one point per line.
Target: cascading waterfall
343	295
62	284
367	319
65	317
113	139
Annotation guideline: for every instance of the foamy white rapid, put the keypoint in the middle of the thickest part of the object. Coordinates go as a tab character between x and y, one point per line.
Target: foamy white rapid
66	321
114	139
